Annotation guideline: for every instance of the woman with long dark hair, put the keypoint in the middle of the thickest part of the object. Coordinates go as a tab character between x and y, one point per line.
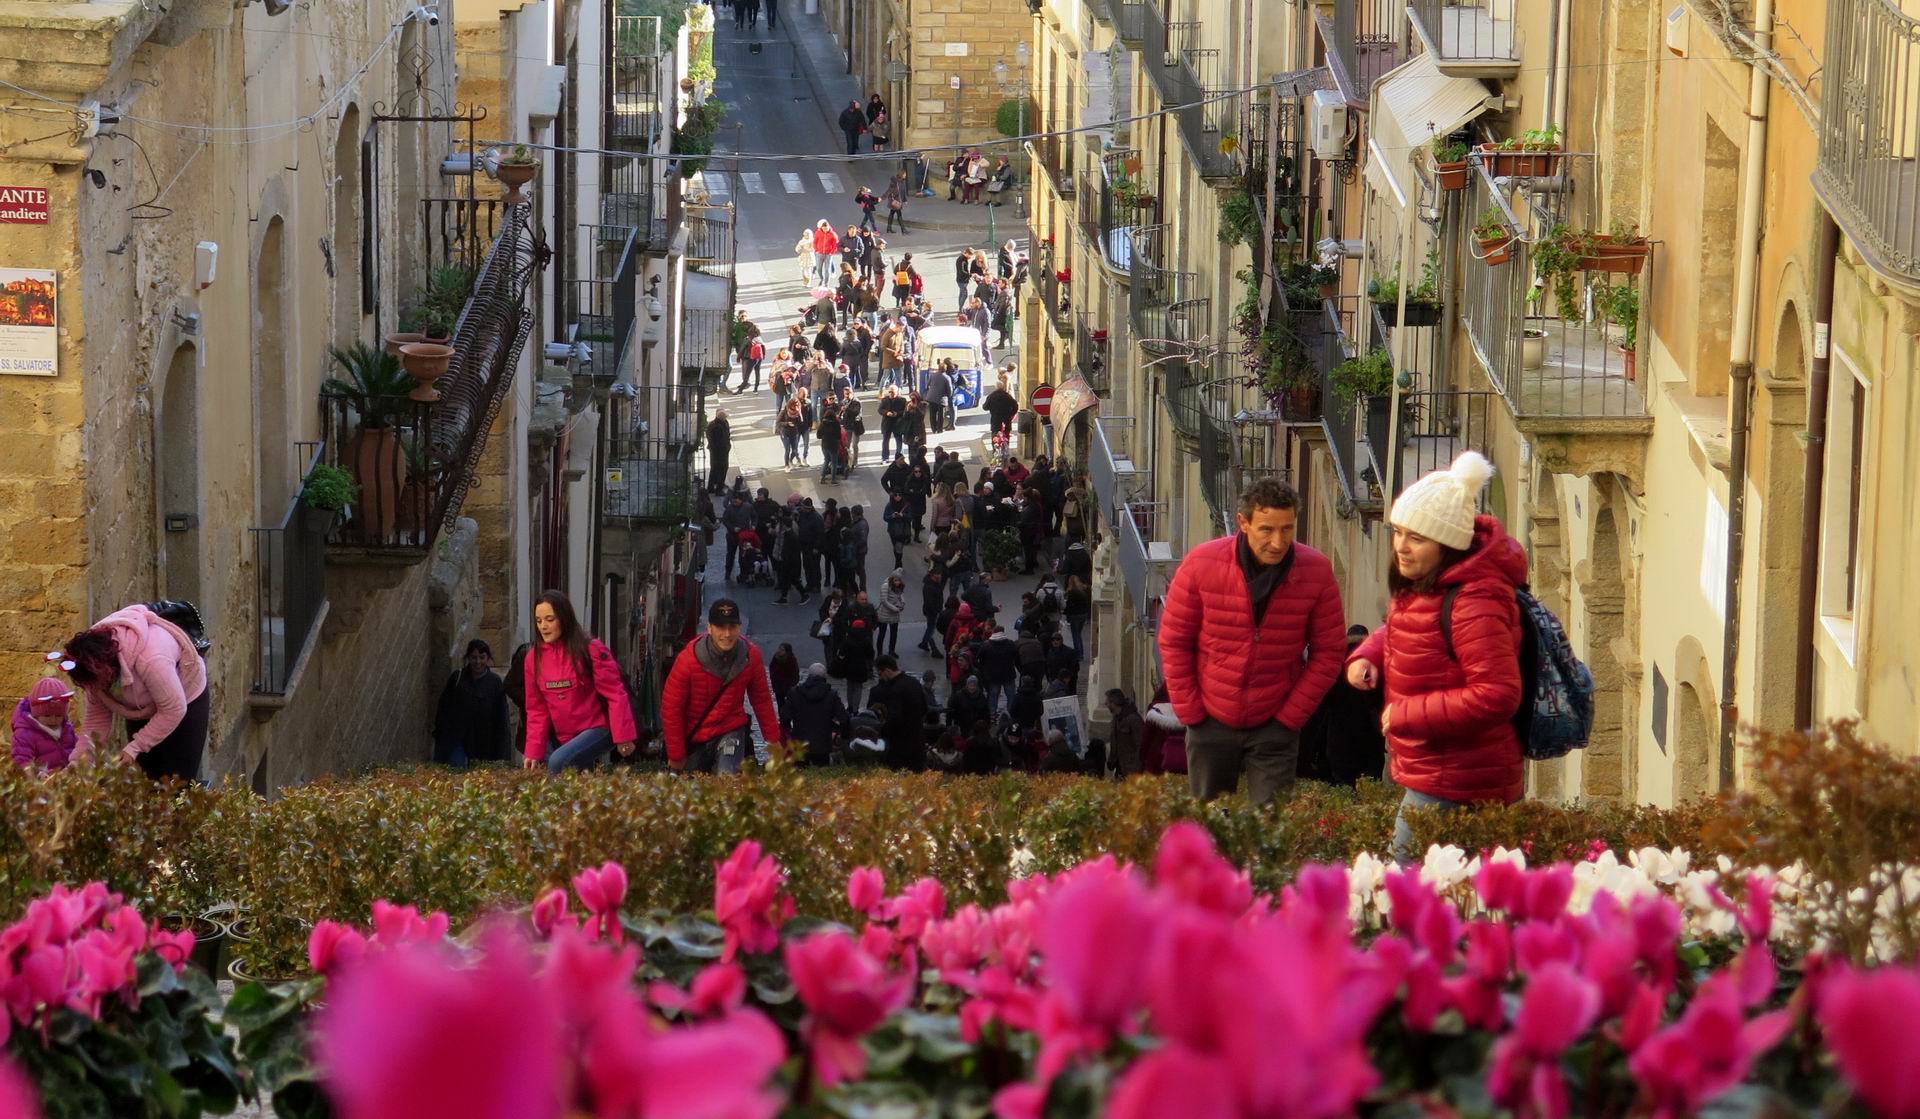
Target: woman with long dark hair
135	664
574	686
1449	656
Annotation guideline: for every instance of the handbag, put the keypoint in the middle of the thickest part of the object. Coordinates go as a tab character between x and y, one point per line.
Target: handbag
186	615
996	186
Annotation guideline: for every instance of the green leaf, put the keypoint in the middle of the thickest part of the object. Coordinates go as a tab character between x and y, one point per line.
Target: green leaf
887	1049
697	937
937	1037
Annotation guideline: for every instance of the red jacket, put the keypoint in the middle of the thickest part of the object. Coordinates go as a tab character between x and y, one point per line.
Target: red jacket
557	697
1450	717
1219	666
692	689
825	241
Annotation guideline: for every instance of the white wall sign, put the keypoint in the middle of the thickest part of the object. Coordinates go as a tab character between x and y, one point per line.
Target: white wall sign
956	50
29	322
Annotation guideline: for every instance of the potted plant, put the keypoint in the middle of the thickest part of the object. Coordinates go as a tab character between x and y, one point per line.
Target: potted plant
516	169
1423	302
1363	375
998	550
1557	263
1308	282
1494	236
1239	221
1622	251
1131	193
1621	304
1449	162
330	489
1533	153
1533	347
374	385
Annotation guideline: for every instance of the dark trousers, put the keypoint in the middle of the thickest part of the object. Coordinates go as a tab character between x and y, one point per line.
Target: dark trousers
178	754
896	216
789	579
716	472
733	549
853	141
750	369
773	14
811	558
1218	754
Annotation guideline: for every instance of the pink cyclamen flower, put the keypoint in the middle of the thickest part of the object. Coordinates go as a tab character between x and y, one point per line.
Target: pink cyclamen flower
1174	1081
717	991
381	1041
332	944
747	901
848	994
1709	1050
173	947
1188	866
601	892
866	889
18	1099
403	924
1525	1073
917	906
1094	949
712	1070
1501	884
1868	1021
550	912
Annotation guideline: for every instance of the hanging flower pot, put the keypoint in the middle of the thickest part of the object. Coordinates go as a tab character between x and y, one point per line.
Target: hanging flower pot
426	362
1497	249
1451	176
1602	252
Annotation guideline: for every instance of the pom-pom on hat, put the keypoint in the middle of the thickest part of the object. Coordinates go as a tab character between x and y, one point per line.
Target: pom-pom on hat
49	696
1441	506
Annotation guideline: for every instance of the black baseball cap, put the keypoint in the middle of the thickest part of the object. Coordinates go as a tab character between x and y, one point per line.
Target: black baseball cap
723	612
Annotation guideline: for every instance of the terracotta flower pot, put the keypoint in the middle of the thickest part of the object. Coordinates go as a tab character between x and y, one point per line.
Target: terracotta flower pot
426	362
1451	176
1627	358
1625	258
401	338
379	466
1532	163
515	176
1496	250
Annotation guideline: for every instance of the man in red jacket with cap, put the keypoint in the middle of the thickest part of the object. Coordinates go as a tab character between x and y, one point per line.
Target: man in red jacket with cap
704	705
1251	638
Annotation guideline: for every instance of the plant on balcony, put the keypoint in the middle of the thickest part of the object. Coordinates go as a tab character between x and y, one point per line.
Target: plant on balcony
1533	153
693	140
1307	282
516	169
1423	302
1449	162
1363	375
1494	235
375	387
700	43
1620	303
1239	221
1131	193
329	488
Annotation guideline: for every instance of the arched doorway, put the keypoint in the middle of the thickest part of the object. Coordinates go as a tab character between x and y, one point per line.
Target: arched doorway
273	445
1606	766
347	239
1778	465
1693	741
177	443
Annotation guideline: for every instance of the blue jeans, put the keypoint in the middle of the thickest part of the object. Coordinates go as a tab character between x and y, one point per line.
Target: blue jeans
994	694
582	751
1403	835
1078	627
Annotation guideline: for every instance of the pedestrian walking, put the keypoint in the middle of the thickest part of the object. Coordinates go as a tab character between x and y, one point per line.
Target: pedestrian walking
811	531
868	203
470	721
1251	637
898	517
719	447
881	132
138	665
826	250
853	122
890	609
1448	658
904	702
573	686
43	738
815	716
783	672
876	106
1001	407
1128	731
705	702
787	570
773	14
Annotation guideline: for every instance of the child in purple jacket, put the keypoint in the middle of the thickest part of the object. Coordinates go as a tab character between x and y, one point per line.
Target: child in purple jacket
42	736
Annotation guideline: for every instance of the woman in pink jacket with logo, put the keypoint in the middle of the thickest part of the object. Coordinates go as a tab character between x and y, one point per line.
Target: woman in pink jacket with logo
135	664
574	687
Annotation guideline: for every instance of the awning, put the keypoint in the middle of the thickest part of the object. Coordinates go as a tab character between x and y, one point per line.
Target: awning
1071	397
1413	103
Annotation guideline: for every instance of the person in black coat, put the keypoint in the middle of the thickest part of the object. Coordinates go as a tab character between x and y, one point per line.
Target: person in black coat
905	704
1028	704
1342	743
853	119
969	704
719	447
471	723
815	715
933	590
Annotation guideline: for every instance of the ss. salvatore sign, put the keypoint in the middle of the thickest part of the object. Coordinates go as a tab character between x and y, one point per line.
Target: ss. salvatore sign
23	205
29	322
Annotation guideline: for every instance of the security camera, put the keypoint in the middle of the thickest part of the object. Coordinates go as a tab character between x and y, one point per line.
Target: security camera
427	15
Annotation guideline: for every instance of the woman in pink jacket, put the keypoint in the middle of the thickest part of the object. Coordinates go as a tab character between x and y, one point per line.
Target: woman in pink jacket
135	664
574	687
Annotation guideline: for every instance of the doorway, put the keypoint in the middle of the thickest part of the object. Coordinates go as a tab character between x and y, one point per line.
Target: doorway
177	440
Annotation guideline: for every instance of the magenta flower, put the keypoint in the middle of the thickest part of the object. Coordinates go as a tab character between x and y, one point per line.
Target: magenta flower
381	1042
718	990
714	1070
1868	1019
1188	866
18	1099
1525	1073
1706	1052
1501	885
601	892
918	906
586	976
173	947
550	912
866	889
1174	1081
848	994
747	901
402	924
104	965
957	944
1093	951
1547	892
332	944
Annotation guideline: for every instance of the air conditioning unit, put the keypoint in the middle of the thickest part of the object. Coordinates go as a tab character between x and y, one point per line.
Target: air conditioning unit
1327	119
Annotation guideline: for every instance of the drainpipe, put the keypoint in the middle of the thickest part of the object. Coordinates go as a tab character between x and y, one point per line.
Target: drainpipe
1409	221
1814	484
1740	371
1557	75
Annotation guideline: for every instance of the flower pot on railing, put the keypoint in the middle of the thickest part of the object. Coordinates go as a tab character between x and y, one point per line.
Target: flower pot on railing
1520	162
425	362
1451	176
514	176
1417	313
1623	255
401	338
1496	250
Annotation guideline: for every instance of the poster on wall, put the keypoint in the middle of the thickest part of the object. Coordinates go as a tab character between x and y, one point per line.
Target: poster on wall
29	331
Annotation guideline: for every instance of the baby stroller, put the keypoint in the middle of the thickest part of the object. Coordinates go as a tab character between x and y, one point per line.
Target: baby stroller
756	570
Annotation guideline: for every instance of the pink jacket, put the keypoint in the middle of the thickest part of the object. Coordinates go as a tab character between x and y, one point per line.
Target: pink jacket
33	745
558	698
160	673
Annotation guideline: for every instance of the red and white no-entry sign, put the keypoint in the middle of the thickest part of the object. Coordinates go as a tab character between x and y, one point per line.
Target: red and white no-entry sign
1042	401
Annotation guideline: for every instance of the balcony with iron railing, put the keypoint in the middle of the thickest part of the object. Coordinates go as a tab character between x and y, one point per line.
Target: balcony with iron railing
1191	78
1054	295
712	244
1362	41
290	584
635	193
1234	449
1090	352
1868	171
1332	341
1555	350
1155	290
1130	20
634	69
1114	474
653	440
1288	197
601	308
1053	156
1470	39
1182	394
415	460
705	340
1146	560
1110	206
1435	427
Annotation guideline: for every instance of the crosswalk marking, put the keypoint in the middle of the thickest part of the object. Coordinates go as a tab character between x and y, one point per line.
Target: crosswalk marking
751	180
716	183
830	183
790	180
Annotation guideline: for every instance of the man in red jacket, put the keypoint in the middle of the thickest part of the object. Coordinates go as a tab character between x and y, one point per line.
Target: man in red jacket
1251	637
704	705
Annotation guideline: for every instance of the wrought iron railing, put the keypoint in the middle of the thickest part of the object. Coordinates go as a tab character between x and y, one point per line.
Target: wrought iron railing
1130	20
1333	343
1190	322
1363	41
602	308
1090	352
1479	34
456	232
1155	291
711	244
633	194
1100	9
1435	427
1115	476
1108	215
1053	295
1233	452
633	114
1182	396
1289	194
290	584
1191	79
1054	155
415	461
1551	350
1868	172
1145	576
705	340
654	438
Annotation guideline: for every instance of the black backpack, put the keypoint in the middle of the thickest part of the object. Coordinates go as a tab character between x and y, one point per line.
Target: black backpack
186	615
1556	690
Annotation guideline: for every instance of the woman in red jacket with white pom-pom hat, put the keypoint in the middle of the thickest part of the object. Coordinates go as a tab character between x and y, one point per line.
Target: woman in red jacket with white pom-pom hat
1449	707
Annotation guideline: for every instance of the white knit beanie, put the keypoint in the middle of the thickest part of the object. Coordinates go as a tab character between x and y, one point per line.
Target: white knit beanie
1441	506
